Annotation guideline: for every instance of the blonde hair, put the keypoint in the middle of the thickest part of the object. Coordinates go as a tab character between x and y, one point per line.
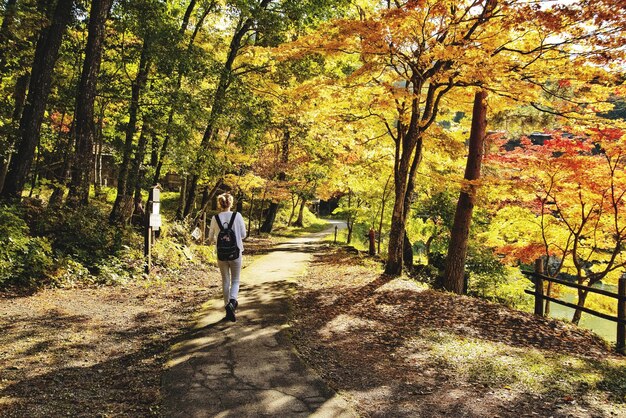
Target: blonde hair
225	200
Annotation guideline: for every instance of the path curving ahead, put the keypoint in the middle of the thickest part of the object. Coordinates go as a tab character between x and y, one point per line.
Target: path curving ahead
249	368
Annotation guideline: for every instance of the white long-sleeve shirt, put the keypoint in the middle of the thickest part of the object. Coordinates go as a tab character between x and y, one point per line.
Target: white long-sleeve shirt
239	227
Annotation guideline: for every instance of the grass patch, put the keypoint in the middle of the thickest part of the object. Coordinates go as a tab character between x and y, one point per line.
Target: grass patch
498	366
317	225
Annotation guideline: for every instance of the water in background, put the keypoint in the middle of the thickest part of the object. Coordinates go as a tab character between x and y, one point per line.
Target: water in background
604	328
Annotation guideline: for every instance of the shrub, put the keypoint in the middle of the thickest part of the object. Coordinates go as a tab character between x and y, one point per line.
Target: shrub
23	259
169	254
122	267
70	272
83	234
172	250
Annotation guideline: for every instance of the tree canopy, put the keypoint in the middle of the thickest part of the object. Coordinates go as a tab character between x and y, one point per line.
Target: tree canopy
366	102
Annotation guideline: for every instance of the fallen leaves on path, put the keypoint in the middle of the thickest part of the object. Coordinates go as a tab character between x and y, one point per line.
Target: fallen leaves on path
94	351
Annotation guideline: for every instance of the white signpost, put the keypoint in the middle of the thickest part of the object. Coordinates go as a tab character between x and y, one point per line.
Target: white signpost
153	223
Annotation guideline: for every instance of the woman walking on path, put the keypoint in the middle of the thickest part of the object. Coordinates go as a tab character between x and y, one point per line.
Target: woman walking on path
229	258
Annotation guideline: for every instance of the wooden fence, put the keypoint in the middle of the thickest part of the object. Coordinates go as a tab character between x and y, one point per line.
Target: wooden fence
538	278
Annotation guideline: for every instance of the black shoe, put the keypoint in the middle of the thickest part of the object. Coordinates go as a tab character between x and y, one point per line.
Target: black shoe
230	312
234	303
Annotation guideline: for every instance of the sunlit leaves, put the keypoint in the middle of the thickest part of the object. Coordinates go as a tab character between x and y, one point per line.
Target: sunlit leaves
572	189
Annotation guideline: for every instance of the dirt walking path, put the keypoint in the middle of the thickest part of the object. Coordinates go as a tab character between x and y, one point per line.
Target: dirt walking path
249	368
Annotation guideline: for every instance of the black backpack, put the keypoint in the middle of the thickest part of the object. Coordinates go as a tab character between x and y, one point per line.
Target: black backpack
227	248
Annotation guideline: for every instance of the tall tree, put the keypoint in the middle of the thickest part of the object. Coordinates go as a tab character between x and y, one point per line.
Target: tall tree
6	31
46	54
182	70
244	25
84	115
262	23
457	249
124	203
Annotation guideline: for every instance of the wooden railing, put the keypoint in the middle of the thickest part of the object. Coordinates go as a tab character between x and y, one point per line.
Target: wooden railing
538	279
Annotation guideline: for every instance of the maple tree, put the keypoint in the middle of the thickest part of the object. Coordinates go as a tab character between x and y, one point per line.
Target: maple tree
413	55
575	187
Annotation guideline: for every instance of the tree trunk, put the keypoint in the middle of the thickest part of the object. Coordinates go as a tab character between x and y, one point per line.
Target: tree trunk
294	205
582	297
407	252
135	177
65	144
404	173
5	160
46	53
547	308
122	208
219	101
250	211
98	180
429	241
371	236
182	196
6	32
300	220
85	128
239	205
349	220
408	154
268	224
35	170
382	213
258	222
19	100
454	270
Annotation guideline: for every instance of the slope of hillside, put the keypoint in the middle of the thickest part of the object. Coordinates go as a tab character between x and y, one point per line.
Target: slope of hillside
395	348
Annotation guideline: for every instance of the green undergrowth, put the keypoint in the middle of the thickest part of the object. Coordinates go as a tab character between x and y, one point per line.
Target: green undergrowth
64	247
499	366
42	246
311	224
293	232
359	239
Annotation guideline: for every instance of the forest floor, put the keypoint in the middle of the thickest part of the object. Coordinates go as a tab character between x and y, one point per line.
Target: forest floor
98	351
395	348
390	346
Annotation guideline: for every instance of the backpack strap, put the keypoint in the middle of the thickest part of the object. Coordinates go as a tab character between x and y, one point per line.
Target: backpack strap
232	220
219	223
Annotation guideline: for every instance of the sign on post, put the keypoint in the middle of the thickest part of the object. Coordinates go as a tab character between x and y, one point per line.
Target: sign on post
154	206
153	223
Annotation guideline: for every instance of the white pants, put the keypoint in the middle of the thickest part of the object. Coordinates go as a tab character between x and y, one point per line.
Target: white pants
231	270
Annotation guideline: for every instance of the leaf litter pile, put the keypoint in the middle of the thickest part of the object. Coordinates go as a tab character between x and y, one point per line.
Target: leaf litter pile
394	347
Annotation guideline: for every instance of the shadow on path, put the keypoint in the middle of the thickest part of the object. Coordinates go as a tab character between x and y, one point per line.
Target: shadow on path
249	368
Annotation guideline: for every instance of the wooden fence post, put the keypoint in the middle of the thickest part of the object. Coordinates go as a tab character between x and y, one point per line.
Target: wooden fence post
538	287
621	314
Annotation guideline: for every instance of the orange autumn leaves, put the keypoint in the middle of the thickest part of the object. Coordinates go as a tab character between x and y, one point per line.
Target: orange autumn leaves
573	188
